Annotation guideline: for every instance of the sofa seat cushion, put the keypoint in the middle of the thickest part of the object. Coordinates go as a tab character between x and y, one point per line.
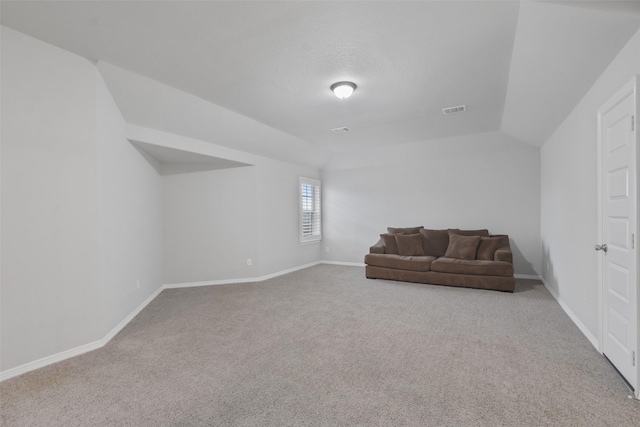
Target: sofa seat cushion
400	262
474	267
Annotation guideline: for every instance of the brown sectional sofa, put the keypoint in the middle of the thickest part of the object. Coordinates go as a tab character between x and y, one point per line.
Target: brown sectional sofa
453	257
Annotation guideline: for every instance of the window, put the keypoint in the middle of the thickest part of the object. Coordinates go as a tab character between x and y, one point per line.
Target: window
310	219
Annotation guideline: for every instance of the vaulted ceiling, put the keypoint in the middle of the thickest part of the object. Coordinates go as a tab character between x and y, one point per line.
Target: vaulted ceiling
519	67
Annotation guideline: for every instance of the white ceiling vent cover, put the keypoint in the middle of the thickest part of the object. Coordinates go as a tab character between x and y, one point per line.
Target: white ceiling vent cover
453	110
341	130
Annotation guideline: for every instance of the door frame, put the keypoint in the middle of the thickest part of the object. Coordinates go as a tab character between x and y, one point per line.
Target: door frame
632	86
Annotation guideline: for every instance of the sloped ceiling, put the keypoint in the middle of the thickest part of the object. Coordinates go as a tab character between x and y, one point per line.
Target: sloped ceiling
169	161
560	49
520	67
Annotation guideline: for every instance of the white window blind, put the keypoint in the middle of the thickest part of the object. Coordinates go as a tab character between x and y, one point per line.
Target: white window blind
310	218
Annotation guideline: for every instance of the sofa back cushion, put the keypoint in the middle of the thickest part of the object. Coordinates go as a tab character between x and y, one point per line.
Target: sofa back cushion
489	245
462	247
405	230
434	242
482	233
409	244
390	245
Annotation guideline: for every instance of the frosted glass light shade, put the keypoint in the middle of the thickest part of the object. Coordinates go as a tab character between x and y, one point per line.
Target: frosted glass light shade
343	90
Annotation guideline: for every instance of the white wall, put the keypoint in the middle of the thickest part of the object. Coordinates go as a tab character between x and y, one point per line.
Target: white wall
81	217
87	217
476	181
130	216
569	226
278	212
50	282
215	220
210	225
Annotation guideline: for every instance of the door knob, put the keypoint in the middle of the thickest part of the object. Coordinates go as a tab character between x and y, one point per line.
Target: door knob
602	247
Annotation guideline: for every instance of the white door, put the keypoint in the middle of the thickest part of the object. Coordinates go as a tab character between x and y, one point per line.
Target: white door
617	142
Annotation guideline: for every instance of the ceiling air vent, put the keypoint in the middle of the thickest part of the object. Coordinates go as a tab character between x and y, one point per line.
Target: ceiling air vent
453	110
341	130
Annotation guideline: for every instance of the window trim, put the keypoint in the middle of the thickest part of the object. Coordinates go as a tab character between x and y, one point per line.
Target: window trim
317	203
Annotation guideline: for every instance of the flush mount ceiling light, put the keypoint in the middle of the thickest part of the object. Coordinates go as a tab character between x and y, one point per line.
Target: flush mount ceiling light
343	90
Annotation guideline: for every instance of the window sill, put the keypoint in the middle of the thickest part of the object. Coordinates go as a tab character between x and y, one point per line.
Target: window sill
310	242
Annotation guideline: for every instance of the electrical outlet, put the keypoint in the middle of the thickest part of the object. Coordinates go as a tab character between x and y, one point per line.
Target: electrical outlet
249	262
326	249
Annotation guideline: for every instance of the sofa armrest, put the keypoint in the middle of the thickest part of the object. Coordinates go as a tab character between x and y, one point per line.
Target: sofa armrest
503	254
378	248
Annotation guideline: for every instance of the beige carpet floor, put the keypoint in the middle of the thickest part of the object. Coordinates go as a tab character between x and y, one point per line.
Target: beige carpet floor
326	347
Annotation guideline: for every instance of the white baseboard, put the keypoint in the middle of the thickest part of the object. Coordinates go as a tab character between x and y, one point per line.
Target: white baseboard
59	357
208	283
239	280
349	264
40	363
49	360
585	331
85	348
120	326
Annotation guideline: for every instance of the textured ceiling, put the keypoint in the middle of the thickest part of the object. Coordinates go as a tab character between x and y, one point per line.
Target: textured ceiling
273	62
